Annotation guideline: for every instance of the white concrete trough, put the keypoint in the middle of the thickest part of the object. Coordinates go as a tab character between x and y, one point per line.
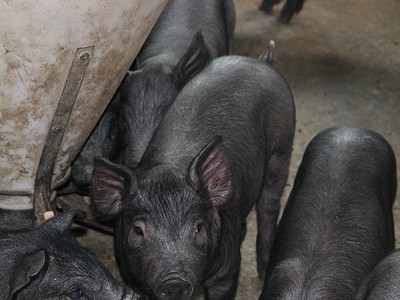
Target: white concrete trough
60	63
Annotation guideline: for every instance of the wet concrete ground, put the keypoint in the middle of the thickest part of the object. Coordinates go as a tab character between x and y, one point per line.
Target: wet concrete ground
342	61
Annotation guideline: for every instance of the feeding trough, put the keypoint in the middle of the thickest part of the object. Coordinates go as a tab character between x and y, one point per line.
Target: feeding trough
60	64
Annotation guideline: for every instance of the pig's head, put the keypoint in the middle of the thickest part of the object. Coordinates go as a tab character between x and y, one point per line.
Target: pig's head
168	224
48	263
147	93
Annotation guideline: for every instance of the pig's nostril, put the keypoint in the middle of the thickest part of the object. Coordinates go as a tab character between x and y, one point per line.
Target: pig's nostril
175	289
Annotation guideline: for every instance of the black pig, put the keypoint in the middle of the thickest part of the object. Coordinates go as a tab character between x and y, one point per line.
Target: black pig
46	262
164	66
224	145
172	55
104	141
338	222
290	8
383	283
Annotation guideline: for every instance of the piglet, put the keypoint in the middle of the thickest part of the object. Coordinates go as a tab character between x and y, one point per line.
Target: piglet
46	262
171	56
338	222
224	145
104	141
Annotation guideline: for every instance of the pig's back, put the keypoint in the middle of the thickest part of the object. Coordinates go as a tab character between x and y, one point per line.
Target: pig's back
338	219
181	19
243	100
239	98
342	153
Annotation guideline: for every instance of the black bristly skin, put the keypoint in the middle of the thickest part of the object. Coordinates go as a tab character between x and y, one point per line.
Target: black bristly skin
64	269
338	221
383	282
173	219
223	146
104	141
187	35
169	213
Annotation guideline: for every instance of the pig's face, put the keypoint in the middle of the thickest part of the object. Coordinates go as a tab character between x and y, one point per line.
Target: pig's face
168	225
57	267
169	231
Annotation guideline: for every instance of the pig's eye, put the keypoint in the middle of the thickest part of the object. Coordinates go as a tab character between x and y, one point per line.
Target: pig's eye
138	230
75	294
199	227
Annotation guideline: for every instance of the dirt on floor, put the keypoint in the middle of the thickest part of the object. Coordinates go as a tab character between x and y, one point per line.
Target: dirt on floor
342	61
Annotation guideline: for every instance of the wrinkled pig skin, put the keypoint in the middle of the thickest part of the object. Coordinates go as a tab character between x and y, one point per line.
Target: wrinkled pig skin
46	262
338	221
171	56
224	145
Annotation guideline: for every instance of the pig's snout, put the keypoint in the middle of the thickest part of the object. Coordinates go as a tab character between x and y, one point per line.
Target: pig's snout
175	289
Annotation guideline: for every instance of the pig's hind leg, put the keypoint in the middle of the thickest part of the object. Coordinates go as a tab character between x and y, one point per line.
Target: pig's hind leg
268	206
290	8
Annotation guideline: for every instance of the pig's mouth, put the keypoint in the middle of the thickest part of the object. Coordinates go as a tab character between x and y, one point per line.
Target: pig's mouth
175	287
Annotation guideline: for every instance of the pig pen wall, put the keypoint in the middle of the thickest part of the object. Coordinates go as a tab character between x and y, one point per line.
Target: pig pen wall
342	61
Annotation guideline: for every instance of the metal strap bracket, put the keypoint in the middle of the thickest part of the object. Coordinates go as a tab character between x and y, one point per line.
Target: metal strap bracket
42	192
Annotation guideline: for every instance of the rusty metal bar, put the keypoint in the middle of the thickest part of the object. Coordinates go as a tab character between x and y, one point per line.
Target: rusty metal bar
42	192
95	226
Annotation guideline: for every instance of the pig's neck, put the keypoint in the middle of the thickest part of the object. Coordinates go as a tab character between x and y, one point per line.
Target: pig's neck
167	61
179	161
159	170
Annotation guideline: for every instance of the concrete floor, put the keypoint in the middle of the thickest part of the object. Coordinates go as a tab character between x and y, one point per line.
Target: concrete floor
342	61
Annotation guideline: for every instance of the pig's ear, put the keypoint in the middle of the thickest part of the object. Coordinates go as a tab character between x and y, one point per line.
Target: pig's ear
29	267
211	170
110	184
267	55
63	222
195	59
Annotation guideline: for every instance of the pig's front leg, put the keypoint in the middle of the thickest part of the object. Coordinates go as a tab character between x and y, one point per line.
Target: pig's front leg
290	8
222	289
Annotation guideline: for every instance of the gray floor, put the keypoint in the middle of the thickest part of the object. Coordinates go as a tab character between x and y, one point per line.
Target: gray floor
342	61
